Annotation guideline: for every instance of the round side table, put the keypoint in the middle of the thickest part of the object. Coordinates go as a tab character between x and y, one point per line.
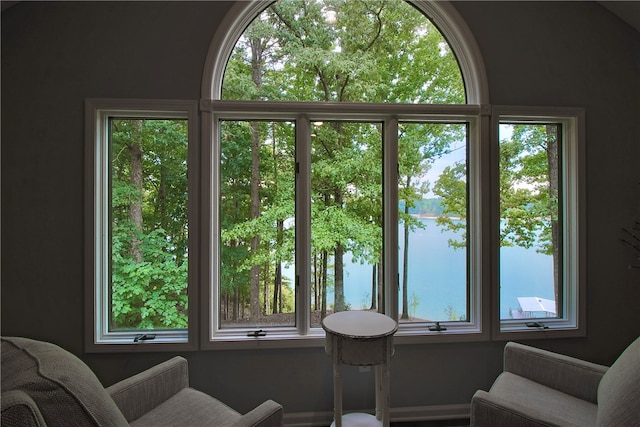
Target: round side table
360	338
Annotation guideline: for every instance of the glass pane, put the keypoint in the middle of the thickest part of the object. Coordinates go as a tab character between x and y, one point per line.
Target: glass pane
343	51
432	229
149	228
346	217
529	226
257	206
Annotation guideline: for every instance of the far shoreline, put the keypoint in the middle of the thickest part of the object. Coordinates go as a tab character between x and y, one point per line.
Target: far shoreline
426	216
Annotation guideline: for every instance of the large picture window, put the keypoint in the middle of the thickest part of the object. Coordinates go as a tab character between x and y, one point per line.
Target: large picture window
343	157
344	52
311	208
384	197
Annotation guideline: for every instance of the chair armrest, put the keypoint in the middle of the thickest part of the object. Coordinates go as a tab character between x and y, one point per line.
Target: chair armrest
267	414
137	395
488	410
567	374
19	409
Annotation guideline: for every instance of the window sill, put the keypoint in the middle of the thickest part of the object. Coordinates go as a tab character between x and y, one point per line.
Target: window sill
509	331
289	338
125	343
415	334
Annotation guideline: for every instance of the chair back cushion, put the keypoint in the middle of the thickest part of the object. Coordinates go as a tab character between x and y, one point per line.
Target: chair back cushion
65	390
619	390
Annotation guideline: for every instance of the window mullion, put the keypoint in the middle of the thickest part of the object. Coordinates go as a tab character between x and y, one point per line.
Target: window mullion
390	215
483	199
303	224
211	154
103	244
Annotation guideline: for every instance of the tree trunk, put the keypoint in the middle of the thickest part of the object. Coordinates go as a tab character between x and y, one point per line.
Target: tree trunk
277	286
265	293
255	213
381	296
236	304
323	281
316	283
374	286
161	205
552	161
405	260
135	209
256	74
338	268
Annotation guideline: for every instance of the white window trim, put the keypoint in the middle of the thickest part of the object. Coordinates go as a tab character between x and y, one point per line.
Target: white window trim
573	321
462	42
97	253
484	323
303	113
204	154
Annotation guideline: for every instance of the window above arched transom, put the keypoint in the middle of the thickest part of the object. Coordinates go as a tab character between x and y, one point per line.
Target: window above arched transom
387	51
383	51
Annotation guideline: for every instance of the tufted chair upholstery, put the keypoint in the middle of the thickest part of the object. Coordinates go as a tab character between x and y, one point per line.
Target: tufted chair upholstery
541	388
44	385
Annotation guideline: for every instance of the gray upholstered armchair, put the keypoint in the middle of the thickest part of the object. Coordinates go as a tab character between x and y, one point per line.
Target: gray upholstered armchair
44	385
541	388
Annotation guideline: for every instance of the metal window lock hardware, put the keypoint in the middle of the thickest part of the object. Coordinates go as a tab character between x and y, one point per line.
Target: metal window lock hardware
437	327
536	325
256	334
144	337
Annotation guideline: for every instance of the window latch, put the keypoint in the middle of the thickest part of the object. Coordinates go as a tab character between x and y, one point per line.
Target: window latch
144	337
437	327
536	325
256	334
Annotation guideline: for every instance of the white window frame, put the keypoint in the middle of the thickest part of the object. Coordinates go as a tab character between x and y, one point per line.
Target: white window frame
483	218
476	112
484	322
572	323
98	112
303	113
204	154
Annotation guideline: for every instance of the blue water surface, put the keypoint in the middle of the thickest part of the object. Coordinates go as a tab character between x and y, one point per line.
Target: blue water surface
437	276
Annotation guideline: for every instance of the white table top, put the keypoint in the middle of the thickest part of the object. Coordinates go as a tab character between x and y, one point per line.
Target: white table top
359	324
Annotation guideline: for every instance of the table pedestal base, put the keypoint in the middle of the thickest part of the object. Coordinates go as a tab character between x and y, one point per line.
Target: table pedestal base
359	420
360	338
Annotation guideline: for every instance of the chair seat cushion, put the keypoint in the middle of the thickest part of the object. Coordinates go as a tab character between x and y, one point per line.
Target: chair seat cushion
543	404
189	407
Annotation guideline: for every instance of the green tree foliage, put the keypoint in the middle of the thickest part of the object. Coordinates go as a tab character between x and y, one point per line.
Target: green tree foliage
149	228
238	227
373	51
529	191
381	51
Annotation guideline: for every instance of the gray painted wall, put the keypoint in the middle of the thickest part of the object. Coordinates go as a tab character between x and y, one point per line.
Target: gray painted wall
55	55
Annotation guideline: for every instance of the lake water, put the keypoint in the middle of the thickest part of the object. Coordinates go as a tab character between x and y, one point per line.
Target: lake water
437	276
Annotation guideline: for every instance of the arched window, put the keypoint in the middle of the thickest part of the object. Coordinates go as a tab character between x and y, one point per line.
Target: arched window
443	16
313	199
373	52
